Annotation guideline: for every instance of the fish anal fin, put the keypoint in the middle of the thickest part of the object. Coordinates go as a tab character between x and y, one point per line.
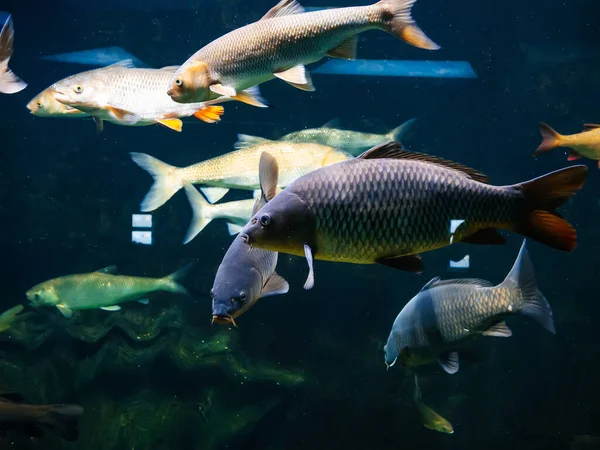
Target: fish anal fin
573	156
408	263
65	311
275	285
346	50
394	150
499	329
297	76
210	114
485	236
284	8
173	124
449	362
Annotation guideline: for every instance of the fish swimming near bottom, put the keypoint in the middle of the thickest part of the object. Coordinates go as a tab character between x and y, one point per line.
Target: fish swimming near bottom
101	289
32	420
245	276
585	144
447	314
8	317
388	205
429	418
9	82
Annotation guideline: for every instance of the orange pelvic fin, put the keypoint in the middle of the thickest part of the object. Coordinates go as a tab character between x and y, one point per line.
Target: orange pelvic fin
210	114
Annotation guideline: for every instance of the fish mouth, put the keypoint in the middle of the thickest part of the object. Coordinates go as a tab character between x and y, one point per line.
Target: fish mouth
246	238
223	319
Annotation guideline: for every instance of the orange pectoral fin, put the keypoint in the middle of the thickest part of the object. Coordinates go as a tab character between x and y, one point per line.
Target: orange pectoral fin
210	114
573	156
173	124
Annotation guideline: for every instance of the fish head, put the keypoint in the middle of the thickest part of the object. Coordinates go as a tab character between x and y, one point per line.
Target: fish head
234	292
45	105
191	83
43	294
390	352
285	224
443	426
84	91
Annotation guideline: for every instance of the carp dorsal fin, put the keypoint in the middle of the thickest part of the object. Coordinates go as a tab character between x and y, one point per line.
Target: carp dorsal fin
108	270
245	141
475	282
126	63
394	150
170	68
268	174
590	126
284	8
13	397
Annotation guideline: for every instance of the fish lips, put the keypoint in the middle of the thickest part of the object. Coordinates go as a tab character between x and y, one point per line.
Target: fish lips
223	319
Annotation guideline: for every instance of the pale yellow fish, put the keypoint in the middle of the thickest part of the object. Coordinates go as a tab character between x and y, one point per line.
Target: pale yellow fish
8	317
283	42
101	289
45	105
429	418
130	96
234	170
585	144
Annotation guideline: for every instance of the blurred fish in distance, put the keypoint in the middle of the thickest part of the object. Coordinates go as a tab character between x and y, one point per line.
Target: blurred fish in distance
96	57
399	68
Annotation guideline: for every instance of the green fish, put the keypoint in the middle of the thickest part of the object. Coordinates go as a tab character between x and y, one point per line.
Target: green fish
388	205
8	317
429	418
101	289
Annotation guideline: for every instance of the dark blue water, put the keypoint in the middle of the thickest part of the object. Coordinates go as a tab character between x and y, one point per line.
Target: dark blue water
303	370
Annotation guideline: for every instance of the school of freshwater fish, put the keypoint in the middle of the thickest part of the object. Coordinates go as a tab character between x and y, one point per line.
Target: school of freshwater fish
324	193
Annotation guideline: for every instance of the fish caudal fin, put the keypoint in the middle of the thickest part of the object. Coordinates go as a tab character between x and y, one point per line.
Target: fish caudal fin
210	114
401	132
175	278
62	420
534	304
166	181
402	25
200	208
9	82
539	219
551	139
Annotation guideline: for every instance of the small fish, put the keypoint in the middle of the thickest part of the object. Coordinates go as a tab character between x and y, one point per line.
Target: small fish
129	96
353	142
8	317
429	418
388	205
45	105
101	289
233	170
446	314
245	276
585	144
283	42
237	213
9	82
33	419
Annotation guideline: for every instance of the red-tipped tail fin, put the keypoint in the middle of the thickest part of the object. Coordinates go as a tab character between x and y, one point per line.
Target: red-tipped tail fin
551	139
539	219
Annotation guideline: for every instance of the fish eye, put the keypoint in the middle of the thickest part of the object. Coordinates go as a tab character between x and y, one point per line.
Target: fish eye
243	296
39	104
178	82
79	89
265	220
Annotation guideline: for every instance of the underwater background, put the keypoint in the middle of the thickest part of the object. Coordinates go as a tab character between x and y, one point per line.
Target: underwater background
306	369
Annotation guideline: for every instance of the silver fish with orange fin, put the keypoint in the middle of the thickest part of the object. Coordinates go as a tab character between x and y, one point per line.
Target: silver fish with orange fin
130	96
9	82
283	42
388	205
585	144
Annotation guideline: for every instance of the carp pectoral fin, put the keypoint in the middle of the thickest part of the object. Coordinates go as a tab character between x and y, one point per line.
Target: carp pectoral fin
251	96
173	124
409	263
449	362
275	285
498	330
111	308
227	91
214	194
346	50
99	124
67	312
298	77
573	156
210	114
590	126
310	280
486	236
127	117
